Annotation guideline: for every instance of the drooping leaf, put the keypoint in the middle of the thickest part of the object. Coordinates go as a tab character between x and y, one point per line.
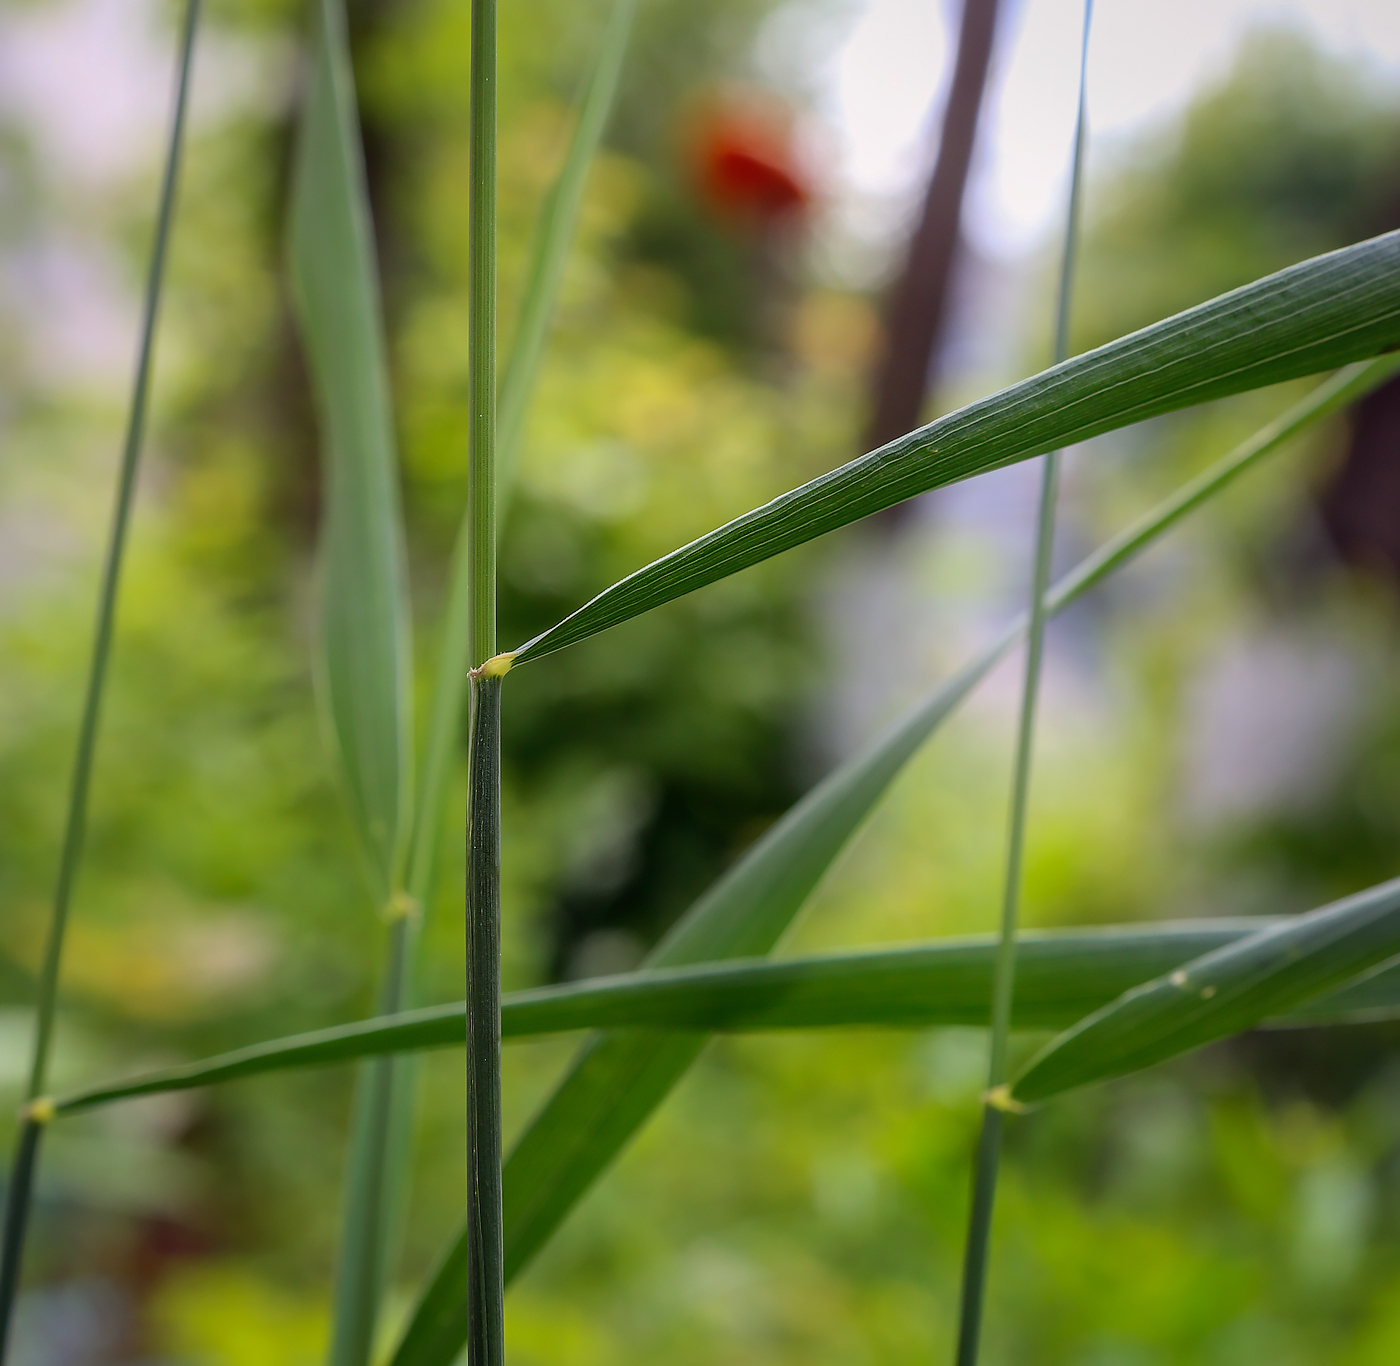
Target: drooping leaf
364	647
1326	312
1065	975
1223	992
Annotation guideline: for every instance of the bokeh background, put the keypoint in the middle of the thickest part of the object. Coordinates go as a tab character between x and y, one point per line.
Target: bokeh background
1221	726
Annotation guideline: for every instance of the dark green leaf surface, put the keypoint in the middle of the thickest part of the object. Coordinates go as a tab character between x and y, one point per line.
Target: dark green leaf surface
364	630
1221	993
1325	312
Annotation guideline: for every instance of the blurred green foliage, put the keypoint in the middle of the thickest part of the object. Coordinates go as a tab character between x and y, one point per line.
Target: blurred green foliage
800	1200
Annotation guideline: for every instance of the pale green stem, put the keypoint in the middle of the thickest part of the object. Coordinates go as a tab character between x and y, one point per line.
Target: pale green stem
988	1156
75	829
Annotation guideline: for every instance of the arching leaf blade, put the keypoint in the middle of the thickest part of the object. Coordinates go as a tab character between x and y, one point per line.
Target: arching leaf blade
945	982
1325	312
1228	990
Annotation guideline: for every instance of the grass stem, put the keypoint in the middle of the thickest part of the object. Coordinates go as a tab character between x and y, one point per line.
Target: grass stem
485	1343
75	826
988	1157
486	1337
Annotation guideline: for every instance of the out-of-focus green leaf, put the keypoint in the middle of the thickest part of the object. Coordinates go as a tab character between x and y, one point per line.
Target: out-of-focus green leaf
1223	992
364	619
619	1078
364	646
1066	974
553	237
1329	311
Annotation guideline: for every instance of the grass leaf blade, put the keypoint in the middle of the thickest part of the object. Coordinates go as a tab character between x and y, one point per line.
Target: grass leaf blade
1221	993
553	237
364	620
1063	976
364	617
1326	312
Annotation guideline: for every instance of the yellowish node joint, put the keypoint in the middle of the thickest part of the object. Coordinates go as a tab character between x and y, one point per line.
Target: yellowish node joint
1000	1098
40	1110
498	666
401	906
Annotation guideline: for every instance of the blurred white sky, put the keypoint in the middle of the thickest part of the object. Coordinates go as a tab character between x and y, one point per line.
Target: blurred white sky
881	65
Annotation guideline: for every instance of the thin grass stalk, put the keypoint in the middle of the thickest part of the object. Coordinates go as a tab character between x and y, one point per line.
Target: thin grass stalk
486	1335
369	1235
987	1159
75	827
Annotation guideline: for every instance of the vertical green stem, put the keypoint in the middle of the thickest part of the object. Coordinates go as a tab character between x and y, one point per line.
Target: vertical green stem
988	1155
486	1339
486	1334
75	828
379	1122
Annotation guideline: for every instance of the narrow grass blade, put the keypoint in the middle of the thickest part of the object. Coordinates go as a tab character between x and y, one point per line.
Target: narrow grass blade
587	1109
1221	993
553	237
1325	312
987	1159
1062	976
20	1188
552	241
364	619
364	633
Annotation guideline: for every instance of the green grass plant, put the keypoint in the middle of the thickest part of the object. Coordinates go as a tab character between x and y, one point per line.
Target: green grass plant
37	1110
1124	997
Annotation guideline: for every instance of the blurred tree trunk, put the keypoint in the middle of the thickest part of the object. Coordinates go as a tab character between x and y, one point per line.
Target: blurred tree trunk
915	311
1360	505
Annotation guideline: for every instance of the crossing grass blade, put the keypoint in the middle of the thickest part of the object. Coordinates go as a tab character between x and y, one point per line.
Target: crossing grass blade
549	255
1063	975
553	237
1326	312
1221	993
364	647
619	1078
364	633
